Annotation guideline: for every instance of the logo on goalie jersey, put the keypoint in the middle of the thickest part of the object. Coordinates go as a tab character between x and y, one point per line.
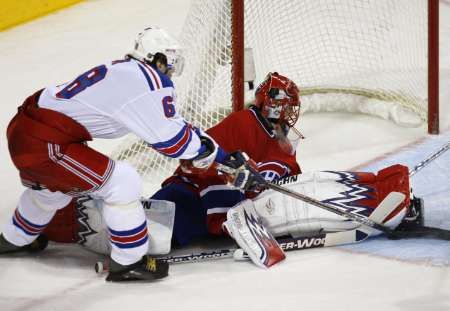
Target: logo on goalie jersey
286	180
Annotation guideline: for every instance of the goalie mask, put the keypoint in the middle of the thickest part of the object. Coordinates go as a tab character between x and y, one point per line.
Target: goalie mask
155	44
278	99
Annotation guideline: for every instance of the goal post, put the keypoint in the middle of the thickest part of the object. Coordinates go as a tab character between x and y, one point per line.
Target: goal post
433	66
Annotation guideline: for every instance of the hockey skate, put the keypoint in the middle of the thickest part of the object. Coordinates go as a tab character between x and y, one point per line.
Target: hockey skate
414	217
146	269
413	225
37	245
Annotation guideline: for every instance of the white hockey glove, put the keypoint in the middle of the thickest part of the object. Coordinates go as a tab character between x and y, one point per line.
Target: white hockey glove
204	159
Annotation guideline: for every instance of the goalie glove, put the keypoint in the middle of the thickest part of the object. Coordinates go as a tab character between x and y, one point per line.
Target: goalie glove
245	174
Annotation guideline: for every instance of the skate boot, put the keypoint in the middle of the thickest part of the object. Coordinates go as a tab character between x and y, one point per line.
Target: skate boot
37	245
146	269
414	217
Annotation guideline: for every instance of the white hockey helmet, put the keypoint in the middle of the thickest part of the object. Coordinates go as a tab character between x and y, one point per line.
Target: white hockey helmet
153	40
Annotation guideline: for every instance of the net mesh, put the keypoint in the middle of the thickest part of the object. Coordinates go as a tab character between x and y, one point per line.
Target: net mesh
367	56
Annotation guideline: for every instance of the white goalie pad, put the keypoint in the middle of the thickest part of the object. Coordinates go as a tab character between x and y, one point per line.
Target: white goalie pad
283	215
93	233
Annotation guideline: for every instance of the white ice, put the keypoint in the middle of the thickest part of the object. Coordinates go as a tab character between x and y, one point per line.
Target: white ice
374	275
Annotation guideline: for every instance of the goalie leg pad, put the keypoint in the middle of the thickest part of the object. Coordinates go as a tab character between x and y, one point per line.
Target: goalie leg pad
93	232
245	227
355	192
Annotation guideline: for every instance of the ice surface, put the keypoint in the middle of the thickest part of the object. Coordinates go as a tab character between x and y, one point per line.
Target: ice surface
375	275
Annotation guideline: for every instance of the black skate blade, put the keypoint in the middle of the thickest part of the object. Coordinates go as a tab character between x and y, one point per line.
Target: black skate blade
134	275
38	245
419	231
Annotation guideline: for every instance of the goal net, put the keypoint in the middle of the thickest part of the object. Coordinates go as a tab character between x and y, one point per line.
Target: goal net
365	56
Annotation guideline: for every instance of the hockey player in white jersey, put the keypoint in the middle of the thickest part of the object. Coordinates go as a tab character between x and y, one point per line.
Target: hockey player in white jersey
47	143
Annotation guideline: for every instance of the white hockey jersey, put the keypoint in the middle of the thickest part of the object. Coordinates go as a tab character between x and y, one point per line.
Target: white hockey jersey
126	96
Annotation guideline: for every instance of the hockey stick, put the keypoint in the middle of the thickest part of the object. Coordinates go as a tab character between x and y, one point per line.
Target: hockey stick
296	243
414	232
428	160
393	199
288	244
420	231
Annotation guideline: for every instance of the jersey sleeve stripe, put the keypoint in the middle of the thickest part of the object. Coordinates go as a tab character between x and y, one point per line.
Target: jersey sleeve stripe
161	79
147	77
155	76
175	146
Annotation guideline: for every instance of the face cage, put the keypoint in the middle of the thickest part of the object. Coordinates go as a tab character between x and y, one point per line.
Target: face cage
289	114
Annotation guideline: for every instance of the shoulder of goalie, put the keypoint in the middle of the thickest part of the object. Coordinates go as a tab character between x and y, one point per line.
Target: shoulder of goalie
246	228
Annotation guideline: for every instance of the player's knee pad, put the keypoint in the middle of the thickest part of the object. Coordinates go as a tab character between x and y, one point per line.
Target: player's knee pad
45	199
123	187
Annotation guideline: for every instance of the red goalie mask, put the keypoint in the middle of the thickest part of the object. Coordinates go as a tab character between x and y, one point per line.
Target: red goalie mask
278	99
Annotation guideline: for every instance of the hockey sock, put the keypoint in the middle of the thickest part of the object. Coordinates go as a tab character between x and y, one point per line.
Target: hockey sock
33	213
127	227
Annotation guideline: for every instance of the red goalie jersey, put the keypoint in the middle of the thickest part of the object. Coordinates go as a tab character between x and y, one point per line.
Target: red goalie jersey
247	131
250	132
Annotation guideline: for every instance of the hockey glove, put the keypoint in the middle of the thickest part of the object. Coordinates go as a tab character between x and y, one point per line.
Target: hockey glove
245	176
206	157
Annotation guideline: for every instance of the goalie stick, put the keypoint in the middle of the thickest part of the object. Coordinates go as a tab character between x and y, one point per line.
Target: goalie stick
321	240
416	232
289	243
396	197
